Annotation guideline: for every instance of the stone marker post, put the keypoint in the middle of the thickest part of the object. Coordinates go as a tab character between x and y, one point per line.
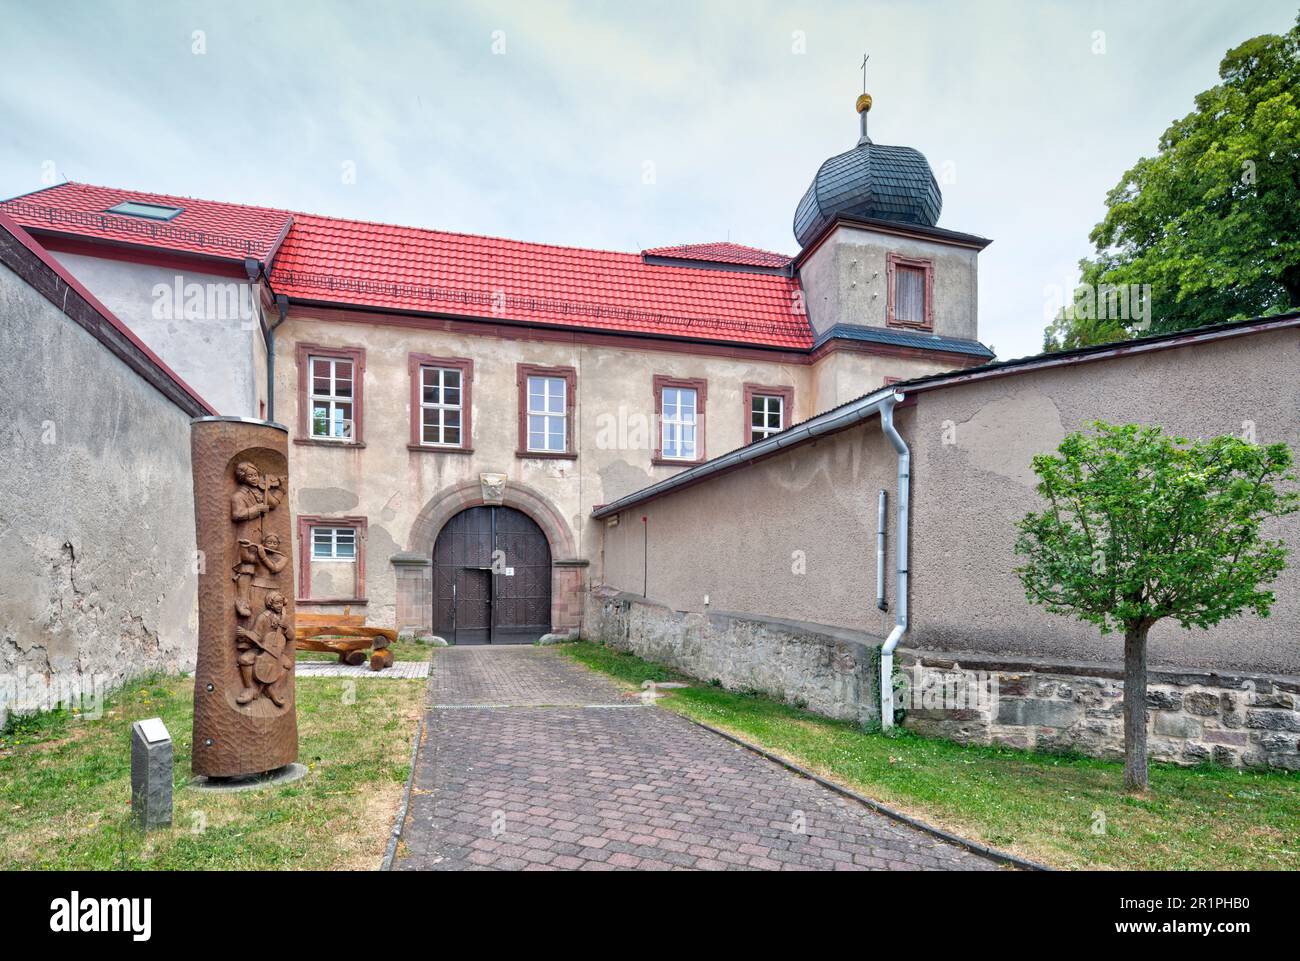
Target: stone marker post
151	774
245	716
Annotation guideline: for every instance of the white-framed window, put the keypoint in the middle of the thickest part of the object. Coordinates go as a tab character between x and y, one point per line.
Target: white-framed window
548	428
442	406
678	423
332	398
766	415
333	543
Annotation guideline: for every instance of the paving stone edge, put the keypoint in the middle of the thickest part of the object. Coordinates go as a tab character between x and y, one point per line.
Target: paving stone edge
396	835
974	847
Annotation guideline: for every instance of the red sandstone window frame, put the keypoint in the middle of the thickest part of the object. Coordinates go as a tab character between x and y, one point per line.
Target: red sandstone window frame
701	388
926	265
305	524
357	355
763	390
570	377
415	363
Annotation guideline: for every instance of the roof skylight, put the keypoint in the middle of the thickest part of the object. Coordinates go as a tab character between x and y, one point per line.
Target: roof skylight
134	208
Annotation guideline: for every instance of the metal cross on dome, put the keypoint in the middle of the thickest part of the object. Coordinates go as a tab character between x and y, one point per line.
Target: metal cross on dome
865	58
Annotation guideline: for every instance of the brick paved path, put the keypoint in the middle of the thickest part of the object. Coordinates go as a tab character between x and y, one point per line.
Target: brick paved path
595	781
516	676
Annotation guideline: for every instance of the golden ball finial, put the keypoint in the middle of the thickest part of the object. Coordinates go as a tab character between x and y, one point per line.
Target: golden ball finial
864	103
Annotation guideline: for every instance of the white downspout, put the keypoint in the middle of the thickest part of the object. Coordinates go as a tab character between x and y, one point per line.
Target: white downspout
900	586
880	551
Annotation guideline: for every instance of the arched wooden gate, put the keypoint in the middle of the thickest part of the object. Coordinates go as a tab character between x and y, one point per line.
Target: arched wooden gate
491	578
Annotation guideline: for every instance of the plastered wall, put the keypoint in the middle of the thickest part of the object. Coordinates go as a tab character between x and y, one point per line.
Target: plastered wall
733	537
97	550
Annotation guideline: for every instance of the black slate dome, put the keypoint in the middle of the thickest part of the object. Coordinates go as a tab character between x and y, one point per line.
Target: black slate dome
871	182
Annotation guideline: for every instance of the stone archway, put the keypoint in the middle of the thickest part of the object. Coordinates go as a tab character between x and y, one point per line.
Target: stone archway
568	571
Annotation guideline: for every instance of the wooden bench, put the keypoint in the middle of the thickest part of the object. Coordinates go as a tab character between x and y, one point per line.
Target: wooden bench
347	636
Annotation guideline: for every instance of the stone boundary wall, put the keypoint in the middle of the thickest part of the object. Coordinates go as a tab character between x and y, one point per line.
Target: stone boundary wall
1233	719
828	670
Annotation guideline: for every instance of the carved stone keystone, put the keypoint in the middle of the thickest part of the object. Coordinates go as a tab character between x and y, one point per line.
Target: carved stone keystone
245	716
494	488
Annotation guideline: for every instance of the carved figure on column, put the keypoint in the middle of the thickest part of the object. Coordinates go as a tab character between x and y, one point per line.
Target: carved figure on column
245	718
265	652
254	497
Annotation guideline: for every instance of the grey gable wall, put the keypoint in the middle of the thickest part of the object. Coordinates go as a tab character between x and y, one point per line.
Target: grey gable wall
734	537
968	495
96	512
223	358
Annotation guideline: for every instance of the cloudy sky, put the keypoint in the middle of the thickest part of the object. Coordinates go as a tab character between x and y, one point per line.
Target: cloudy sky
545	120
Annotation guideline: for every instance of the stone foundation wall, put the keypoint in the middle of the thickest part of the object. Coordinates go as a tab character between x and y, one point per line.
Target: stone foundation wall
828	670
1237	720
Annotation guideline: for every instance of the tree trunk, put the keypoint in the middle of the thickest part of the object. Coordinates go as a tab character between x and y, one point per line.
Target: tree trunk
1291	281
1135	707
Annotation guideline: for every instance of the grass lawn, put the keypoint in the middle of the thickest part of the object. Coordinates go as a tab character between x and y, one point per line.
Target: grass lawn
1043	807
406	649
65	785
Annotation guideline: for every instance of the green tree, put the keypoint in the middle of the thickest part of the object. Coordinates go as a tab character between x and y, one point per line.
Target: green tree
1212	222
1141	526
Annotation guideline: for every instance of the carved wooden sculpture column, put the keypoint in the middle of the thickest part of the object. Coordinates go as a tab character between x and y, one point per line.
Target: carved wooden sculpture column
245	717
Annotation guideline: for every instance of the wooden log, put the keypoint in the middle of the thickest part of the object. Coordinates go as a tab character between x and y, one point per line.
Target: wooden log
332	645
319	620
340	630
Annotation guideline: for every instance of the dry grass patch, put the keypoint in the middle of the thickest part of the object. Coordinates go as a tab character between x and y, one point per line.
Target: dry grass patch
65	786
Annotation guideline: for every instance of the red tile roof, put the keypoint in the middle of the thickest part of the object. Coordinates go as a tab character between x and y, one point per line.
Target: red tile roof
406	268
361	264
229	231
721	252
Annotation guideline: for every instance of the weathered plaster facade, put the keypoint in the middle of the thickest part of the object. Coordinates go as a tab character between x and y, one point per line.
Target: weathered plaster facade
97	548
407	494
729	320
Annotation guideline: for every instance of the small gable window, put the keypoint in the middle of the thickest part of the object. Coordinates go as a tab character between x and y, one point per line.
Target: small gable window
133	208
911	292
767	409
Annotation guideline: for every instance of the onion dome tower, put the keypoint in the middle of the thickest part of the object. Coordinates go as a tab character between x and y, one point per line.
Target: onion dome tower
870	182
